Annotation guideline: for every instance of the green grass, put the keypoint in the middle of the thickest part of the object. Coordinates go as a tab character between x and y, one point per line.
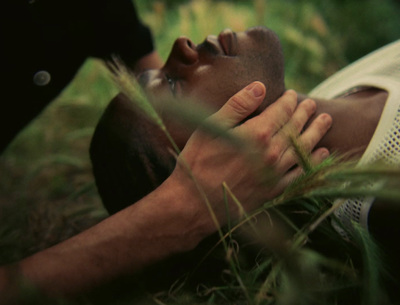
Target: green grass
47	191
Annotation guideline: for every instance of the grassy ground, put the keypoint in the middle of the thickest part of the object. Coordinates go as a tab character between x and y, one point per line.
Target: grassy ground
47	191
46	180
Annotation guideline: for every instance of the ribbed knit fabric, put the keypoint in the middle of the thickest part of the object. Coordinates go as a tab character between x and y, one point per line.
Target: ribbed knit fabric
380	69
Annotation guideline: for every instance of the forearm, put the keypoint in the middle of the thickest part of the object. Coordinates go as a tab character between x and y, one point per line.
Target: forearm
144	233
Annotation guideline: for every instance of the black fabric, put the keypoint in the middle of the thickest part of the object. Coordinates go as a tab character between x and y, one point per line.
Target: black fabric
58	36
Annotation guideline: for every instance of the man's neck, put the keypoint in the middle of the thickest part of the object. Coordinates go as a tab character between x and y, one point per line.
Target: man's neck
355	118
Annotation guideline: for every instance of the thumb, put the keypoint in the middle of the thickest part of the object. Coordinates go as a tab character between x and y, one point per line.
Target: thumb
240	106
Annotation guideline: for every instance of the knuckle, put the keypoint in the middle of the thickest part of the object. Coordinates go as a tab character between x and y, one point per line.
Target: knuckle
272	156
239	105
297	125
288	109
264	137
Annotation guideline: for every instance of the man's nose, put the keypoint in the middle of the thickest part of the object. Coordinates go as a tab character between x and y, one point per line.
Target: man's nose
183	53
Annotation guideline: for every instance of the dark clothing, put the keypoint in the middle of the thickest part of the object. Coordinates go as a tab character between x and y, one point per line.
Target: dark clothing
45	42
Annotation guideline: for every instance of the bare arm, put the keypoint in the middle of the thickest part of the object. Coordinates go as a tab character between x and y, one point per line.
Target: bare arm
173	218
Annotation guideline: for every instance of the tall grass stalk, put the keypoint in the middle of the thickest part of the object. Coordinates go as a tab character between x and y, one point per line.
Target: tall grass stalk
128	85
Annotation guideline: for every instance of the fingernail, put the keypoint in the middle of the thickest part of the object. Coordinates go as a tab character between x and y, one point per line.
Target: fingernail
325	154
327	118
290	92
256	89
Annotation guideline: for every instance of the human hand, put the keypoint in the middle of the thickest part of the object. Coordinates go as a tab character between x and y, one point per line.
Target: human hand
208	161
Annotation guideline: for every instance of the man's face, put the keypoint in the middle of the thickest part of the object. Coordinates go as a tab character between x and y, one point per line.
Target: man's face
214	70
211	72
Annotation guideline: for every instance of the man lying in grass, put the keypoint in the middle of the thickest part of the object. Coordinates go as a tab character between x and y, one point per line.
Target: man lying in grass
152	229
130	154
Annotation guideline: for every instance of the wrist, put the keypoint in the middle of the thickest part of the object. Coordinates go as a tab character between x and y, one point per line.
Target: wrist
188	209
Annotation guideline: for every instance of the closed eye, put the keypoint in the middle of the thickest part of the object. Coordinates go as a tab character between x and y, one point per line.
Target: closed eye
171	83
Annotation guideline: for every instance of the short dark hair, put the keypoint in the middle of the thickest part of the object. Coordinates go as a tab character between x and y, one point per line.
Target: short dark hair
127	163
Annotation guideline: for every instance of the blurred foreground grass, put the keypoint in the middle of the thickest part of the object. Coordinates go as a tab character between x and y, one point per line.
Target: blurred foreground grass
47	191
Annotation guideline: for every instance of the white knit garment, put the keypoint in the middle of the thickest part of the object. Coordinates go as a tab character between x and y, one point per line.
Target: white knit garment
380	69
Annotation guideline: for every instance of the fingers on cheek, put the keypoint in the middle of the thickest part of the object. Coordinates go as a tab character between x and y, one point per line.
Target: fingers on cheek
290	96
304	111
309	106
246	101
316	131
235	110
288	108
287	161
325	121
319	155
282	110
256	132
240	104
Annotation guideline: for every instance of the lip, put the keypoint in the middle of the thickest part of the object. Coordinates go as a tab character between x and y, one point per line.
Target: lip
227	40
212	44
223	41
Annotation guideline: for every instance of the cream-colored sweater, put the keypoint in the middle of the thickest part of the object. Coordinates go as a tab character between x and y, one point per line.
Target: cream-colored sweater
380	69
